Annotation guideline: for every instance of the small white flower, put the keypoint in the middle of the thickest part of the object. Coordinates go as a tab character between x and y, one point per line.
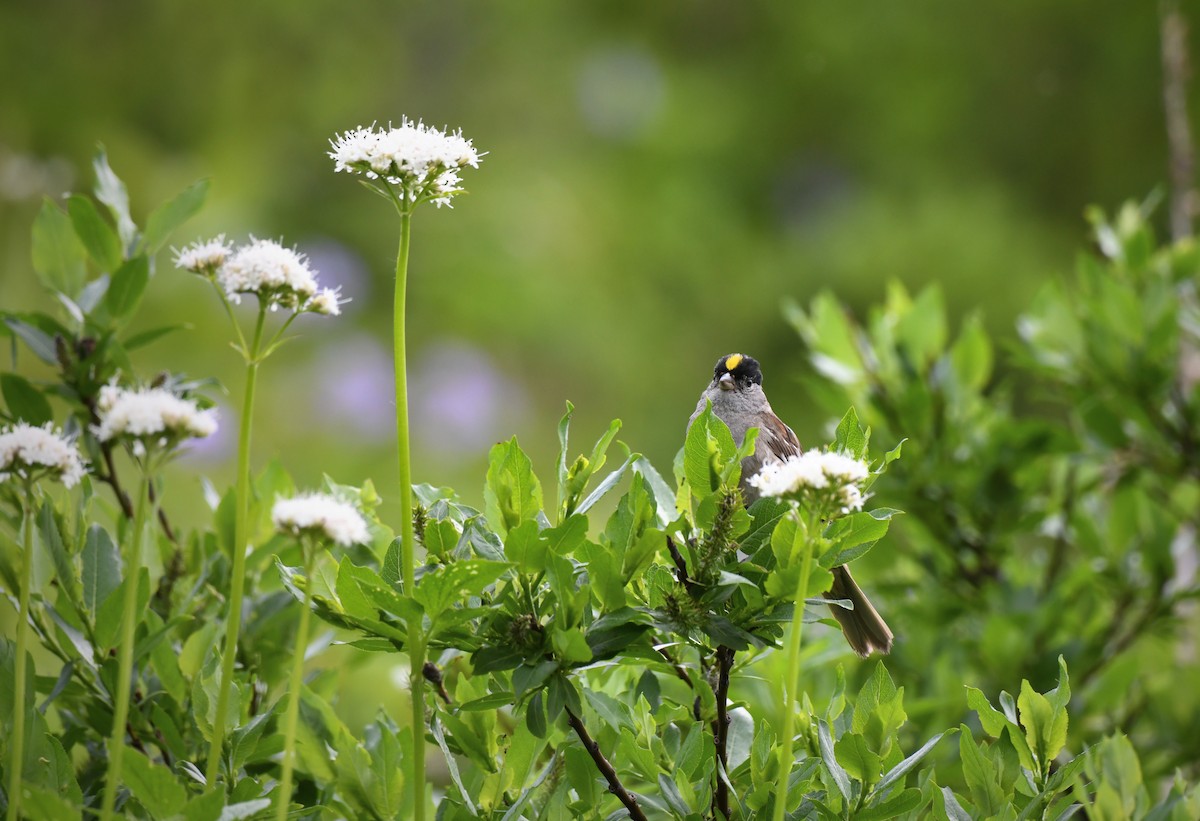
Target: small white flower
842	468
323	515
26	451
327	302
150	415
204	258
277	275
414	155
815	474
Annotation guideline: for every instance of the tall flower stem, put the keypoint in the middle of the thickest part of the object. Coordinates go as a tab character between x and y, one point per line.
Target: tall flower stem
16	765
241	526
295	683
416	644
133	567
801	541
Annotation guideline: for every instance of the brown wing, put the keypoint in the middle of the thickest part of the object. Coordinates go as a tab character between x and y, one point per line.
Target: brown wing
776	442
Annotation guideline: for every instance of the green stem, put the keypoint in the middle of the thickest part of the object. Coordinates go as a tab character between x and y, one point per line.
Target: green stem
16	765
792	681
416	647
233	622
129	619
295	683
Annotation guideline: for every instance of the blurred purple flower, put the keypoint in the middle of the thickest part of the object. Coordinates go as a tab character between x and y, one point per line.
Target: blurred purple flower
461	402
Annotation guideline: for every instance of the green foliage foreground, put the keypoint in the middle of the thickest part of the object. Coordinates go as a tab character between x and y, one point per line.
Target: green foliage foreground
588	667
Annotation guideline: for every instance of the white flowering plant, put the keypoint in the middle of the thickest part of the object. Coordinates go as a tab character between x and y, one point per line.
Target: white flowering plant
607	644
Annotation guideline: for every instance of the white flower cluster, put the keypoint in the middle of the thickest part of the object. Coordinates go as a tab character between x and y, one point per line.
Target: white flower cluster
27	451
815	473
204	258
323	515
414	155
277	275
150	415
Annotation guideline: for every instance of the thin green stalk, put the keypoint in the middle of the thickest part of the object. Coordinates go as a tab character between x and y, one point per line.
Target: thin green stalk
133	567
16	764
792	681
416	646
233	622
295	682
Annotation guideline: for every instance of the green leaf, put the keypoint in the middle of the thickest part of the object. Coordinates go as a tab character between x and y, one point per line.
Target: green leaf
564	428
58	256
858	760
897	804
449	584
981	776
898	772
435	727
992	720
64	567
512	494
127	286
24	401
40	343
96	235
111	191
707	450
571	646
154	787
525	548
614	713
101	566
954	810
829	757
535	716
41	804
171	214
1037	716
850	438
853	536
532	676
669	790
140	340
971	355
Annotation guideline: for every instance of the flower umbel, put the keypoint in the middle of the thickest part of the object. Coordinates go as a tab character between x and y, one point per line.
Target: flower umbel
275	274
204	257
815	475
33	452
322	515
150	416
419	158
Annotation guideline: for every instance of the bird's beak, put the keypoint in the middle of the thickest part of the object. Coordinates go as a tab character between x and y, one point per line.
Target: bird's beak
726	382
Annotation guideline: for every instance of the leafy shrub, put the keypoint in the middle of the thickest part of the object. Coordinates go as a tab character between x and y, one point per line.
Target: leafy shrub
629	665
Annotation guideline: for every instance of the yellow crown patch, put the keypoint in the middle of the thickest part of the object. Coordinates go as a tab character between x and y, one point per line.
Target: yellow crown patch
732	361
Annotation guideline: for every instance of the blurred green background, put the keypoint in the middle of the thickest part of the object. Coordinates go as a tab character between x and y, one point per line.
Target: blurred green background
659	177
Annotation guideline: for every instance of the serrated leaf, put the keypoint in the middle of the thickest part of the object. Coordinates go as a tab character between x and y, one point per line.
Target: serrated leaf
513	493
857	758
154	787
850	438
